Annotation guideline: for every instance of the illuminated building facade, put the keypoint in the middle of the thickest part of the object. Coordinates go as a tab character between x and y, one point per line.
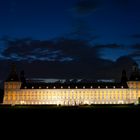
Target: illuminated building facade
17	92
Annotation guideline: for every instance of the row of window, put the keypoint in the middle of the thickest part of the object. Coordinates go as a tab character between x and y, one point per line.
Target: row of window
70	87
60	98
74	92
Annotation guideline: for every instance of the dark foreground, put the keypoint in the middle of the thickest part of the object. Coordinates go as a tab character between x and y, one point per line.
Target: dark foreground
53	108
71	115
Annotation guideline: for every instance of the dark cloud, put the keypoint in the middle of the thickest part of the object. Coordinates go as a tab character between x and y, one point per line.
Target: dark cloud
31	50
58	50
61	49
136	36
98	69
127	6
83	7
109	46
71	59
136	47
122	2
82	30
78	49
135	52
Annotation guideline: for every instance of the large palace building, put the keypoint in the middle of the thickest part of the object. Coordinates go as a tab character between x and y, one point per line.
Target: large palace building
18	91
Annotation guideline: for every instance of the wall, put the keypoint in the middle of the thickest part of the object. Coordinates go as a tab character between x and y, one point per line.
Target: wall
69	96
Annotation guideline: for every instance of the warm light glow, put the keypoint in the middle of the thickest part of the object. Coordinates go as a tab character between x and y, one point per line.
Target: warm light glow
70	96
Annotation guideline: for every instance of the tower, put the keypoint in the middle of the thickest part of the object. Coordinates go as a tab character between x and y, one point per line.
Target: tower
11	86
22	77
134	84
124	78
135	76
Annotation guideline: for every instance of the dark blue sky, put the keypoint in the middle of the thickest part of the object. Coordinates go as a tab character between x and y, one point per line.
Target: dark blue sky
48	30
113	20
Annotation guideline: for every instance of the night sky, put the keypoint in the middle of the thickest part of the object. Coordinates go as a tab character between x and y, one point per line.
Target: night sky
68	39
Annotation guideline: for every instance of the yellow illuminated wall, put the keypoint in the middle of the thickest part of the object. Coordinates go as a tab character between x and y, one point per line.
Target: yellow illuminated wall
14	95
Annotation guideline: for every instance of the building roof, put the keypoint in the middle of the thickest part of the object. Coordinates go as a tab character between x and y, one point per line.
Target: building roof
13	76
73	85
135	76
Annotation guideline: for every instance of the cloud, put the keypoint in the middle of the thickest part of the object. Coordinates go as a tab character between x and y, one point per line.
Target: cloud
99	69
135	53
61	49
58	50
122	2
109	46
84	7
136	47
32	50
78	49
81	29
62	58
135	36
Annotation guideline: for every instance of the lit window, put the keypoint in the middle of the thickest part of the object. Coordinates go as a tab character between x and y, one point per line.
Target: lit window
91	87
